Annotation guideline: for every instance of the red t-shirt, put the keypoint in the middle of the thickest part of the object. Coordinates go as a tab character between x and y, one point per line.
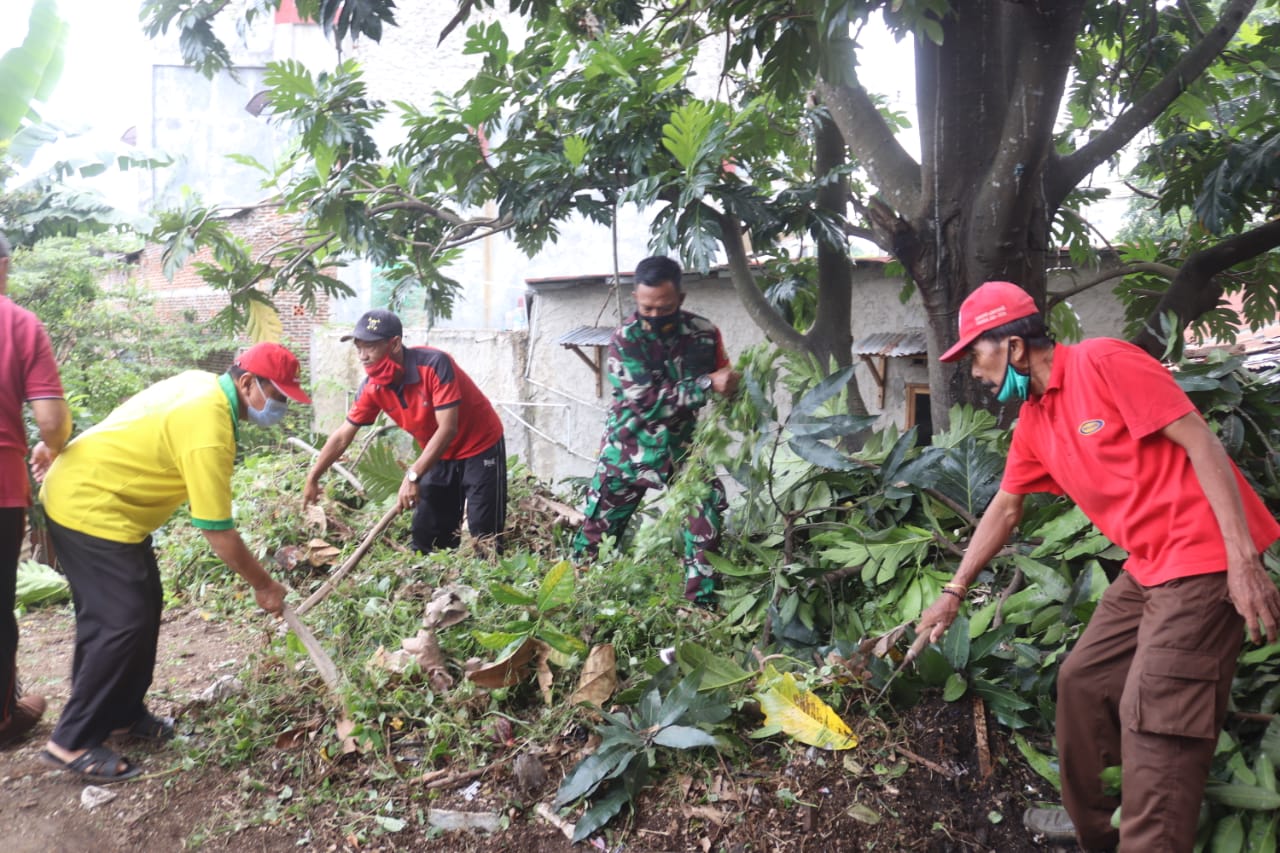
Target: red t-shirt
431	381
1095	435
27	372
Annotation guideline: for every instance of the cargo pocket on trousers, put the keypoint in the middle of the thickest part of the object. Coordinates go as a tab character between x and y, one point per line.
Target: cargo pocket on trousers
1176	694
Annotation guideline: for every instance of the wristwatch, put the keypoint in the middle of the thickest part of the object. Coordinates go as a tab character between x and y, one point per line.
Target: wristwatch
703	382
411	475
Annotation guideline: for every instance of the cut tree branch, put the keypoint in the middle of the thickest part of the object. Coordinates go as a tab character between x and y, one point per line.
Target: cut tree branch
1195	290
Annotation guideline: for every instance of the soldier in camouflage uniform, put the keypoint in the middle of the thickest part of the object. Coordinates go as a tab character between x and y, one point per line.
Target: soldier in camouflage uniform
664	363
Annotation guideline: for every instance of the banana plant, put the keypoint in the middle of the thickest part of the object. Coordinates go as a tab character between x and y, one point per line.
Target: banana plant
29	72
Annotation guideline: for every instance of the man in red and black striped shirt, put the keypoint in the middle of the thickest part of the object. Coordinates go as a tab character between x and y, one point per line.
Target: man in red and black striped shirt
463	460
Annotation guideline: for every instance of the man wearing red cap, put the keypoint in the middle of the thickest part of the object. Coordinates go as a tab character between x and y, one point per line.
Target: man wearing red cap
463	462
1147	684
172	443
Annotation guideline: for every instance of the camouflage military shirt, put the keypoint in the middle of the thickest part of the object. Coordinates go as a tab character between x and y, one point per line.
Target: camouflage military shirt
655	393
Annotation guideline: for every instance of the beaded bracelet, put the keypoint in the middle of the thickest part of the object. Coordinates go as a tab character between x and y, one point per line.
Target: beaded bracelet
948	590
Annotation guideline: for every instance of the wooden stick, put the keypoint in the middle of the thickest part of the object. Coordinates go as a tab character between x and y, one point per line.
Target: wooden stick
980	735
545	812
924	762
327	587
445	778
564	511
347	475
324	663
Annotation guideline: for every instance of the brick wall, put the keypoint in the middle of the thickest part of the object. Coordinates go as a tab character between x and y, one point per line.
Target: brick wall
188	295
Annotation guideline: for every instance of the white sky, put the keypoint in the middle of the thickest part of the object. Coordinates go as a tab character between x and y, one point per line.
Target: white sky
92	90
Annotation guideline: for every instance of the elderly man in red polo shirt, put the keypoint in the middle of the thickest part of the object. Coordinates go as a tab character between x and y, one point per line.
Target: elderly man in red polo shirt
1147	684
463	460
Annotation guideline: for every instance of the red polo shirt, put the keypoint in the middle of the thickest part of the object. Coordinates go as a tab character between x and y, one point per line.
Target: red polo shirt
431	381
27	372
1094	435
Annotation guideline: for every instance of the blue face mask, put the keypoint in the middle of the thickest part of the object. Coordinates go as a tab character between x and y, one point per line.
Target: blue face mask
1016	384
270	414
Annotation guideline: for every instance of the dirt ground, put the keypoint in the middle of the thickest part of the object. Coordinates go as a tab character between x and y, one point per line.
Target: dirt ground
917	785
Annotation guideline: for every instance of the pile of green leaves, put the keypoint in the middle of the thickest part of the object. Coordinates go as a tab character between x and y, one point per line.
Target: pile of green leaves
833	548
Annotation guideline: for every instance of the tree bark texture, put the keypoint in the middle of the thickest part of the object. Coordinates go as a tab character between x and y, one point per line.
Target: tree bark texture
979	204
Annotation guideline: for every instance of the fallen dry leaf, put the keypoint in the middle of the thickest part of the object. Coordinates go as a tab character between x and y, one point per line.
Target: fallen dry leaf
294	738
287	556
507	671
704	812
345	727
599	677
445	608
426	650
543	667
321	553
314	516
889	640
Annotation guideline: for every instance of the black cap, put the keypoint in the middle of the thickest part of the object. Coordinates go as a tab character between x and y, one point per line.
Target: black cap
376	325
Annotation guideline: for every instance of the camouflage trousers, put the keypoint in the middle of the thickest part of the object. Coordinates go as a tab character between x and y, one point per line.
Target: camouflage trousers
617	489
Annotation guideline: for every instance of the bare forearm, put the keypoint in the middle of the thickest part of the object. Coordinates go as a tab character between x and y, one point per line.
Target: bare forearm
1217	478
231	549
436	447
337	443
1213	470
997	523
53	419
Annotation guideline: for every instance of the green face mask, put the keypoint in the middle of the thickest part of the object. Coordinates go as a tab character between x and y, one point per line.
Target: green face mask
1016	384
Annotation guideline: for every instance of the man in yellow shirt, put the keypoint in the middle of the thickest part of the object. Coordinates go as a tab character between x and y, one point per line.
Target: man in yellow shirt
105	494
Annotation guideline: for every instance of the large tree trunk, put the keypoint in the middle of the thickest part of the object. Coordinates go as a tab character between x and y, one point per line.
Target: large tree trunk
979	204
831	338
983	215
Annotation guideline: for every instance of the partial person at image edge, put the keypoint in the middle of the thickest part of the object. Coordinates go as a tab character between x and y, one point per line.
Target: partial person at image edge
28	374
1148	682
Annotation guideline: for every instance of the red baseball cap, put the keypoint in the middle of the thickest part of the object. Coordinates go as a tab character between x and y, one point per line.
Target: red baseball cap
274	362
992	304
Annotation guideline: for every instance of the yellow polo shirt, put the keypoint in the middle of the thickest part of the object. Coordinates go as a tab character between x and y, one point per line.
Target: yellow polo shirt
173	442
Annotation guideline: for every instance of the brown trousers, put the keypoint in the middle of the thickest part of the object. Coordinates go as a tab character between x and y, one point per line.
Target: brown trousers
1147	687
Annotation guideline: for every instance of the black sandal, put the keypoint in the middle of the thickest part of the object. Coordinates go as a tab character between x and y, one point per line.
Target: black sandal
150	728
99	764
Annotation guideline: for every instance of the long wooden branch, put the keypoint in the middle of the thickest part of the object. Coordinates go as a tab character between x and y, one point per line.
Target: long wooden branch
758	308
1119	272
1194	290
1069	171
869	137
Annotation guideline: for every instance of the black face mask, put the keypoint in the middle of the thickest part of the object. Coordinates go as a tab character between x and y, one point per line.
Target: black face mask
663	324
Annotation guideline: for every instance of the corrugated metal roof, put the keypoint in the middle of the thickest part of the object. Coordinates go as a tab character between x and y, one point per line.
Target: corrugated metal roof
892	344
586	336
